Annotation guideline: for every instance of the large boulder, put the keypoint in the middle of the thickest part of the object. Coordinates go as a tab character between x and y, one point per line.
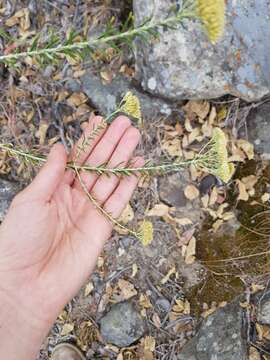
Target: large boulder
106	97
220	337
183	64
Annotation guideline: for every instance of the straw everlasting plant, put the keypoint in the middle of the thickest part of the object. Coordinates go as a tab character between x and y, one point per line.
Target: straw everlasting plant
213	158
210	12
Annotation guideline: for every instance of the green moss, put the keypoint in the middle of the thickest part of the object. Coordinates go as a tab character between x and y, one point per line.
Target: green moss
225	280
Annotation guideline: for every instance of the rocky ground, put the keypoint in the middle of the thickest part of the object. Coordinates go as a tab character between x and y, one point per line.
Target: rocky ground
200	290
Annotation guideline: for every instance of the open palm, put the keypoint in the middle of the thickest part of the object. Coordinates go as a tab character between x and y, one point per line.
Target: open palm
52	235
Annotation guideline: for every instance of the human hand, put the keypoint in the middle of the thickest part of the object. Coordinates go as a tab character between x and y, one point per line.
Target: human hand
53	235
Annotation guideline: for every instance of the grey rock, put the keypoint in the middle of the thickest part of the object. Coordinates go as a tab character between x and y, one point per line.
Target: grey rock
8	190
48	71
73	85
263	312
219	337
122	325
105	97
207	183
171	192
171	189
259	129
163	305
127	241
183	64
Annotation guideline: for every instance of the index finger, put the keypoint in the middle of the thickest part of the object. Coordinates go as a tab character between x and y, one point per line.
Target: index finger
83	148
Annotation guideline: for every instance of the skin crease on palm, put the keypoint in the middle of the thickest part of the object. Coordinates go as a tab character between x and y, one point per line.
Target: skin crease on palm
52	235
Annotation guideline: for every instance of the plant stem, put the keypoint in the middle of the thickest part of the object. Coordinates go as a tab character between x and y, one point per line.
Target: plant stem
184	13
100	208
162	168
9	148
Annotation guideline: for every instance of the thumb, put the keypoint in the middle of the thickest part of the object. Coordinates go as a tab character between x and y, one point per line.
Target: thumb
51	174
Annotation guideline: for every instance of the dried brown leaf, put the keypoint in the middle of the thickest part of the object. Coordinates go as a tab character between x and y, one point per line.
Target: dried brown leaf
205	201
254	354
228	216
42	132
208	312
127	290
207	129
265	197
249	181
194	172
213	196
173	147
149	343
159	210
200	108
191	192
21	17
67	329
212	115
134	270
107	76
256	287
180	306
247	147
88	289
190	251
188	125
186	237
77	99
243	194
127	215
145	302
217	224
183	221
221	209
156	320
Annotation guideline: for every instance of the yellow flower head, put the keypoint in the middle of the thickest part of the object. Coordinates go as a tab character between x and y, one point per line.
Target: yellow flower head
224	170
130	105
146	233
220	144
214	158
212	14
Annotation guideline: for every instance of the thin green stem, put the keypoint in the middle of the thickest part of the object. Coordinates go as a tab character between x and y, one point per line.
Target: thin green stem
146	28
27	156
110	117
162	168
106	214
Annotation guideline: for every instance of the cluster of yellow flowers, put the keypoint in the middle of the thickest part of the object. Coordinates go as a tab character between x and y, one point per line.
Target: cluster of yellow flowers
218	155
146	233
131	106
212	14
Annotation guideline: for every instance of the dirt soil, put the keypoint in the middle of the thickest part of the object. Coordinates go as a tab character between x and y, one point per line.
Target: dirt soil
173	282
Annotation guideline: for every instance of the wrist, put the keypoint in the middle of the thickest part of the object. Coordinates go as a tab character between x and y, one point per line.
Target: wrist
21	333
